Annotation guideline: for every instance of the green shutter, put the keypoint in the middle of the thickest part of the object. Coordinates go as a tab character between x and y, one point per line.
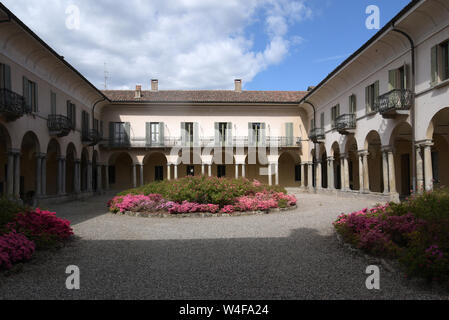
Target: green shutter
376	95
26	93
367	99
229	134
148	133
183	134
289	133
111	131
196	134
7	72
73	115
217	134
161	133
250	134
263	133
36	97
128	132
434	65
392	79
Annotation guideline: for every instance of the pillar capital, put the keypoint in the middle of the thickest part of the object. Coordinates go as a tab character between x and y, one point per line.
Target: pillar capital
425	143
363	153
386	149
62	158
330	159
13	152
343	156
77	161
41	155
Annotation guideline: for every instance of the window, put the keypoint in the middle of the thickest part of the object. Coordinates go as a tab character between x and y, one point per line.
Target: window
111	170
298	173
322	121
398	78
440	62
53	102
335	113
352	104
190	171
85	124
71	113
222	129
159	173
30	94
372	97
221	171
120	132
154	131
5	76
256	133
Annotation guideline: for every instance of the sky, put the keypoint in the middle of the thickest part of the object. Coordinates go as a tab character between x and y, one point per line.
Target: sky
203	44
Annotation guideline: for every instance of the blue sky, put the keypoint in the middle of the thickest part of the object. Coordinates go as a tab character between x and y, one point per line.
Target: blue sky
204	44
336	30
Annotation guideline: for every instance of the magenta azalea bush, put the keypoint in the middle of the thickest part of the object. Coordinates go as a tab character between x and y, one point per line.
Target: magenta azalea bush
24	230
416	232
242	195
15	247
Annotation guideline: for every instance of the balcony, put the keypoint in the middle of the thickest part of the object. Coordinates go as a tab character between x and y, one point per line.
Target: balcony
317	135
395	103
59	126
346	124
172	142
91	137
12	105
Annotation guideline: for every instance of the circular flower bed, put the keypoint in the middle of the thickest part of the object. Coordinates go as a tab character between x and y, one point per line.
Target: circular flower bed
202	195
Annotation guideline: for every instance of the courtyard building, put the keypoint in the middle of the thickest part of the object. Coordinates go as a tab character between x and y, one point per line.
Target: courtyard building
378	124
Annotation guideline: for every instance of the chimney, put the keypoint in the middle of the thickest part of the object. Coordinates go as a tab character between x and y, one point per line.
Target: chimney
138	92
238	85
154	85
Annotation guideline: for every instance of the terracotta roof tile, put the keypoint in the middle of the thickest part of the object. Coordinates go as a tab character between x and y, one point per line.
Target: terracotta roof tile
206	96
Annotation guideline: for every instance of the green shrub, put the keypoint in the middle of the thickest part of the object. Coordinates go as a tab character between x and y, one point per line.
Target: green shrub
8	211
203	190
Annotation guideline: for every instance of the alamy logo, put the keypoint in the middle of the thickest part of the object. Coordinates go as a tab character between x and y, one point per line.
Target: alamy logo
373	281
72	22
373	20
73	281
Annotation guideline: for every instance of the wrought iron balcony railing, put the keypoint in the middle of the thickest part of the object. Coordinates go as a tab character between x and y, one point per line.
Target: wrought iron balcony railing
317	135
346	123
12	105
59	125
397	101
171	142
91	137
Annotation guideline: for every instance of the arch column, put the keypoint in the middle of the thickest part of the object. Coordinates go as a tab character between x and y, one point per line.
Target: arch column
318	175
43	158
141	174
77	176
303	175
61	176
89	176
343	172
428	172
17	174
419	169
99	178
168	171
10	173
310	176
330	173
391	172
243	170
106	178
385	170
364	170
134	168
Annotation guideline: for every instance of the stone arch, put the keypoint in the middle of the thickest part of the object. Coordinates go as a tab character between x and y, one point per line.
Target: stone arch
154	167
121	166
336	154
5	146
85	163
52	167
373	145
71	158
351	152
30	153
289	167
438	132
401	141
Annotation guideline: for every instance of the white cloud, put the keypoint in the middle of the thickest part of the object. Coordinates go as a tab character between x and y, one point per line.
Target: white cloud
186	44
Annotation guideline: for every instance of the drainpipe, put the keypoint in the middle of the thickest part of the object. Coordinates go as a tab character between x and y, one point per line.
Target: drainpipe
315	144
412	108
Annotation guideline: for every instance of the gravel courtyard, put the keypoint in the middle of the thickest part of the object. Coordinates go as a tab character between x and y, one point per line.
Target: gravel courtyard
293	255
